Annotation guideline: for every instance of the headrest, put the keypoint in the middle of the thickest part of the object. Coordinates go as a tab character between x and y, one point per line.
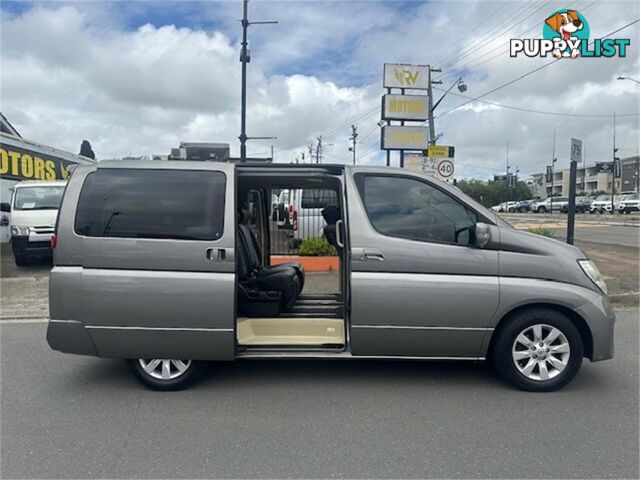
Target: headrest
331	214
244	216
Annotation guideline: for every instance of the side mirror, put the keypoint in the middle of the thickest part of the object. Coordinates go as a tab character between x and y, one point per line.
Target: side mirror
483	235
5	207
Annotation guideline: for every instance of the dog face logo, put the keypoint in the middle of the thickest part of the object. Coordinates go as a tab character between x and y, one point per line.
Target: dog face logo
565	33
569	26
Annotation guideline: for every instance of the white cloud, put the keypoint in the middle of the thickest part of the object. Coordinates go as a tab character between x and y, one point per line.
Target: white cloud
76	71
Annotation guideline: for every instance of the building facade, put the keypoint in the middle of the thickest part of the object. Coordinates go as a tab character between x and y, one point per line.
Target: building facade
588	180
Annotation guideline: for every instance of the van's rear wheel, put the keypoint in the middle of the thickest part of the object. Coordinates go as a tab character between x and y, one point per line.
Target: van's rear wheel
538	350
165	374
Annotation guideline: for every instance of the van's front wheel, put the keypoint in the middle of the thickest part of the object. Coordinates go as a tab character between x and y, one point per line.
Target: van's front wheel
165	374
539	350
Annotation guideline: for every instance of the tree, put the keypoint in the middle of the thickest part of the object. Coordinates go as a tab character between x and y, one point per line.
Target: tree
86	150
492	193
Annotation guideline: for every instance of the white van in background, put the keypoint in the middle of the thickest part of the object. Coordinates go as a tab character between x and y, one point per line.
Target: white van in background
34	210
307	209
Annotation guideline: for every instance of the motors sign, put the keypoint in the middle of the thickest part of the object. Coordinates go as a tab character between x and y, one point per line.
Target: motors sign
405	107
400	137
399	75
21	164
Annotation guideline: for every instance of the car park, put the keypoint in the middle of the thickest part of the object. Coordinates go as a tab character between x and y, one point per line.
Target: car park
34	209
154	263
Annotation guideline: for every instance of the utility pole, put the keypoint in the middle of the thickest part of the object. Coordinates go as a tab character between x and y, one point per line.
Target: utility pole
319	150
507	177
245	57
354	136
432	125
553	164
613	168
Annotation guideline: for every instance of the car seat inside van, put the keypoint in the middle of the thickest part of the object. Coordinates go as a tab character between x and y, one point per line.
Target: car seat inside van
274	309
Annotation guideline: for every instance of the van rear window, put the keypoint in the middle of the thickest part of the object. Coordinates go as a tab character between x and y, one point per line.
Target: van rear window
314	198
132	203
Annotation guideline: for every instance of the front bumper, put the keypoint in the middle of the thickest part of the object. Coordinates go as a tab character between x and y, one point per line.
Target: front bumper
35	246
601	320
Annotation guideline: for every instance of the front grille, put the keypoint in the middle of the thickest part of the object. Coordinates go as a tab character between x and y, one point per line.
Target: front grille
43	230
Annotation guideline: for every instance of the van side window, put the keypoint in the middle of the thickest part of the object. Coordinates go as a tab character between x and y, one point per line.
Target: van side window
409	208
140	203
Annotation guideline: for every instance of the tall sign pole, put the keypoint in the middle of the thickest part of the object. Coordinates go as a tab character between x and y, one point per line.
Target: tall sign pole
576	156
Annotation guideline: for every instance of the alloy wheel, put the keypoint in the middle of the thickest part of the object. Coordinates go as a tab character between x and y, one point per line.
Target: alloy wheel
164	369
541	352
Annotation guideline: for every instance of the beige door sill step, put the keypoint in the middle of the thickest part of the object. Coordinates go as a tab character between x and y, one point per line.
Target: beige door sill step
290	331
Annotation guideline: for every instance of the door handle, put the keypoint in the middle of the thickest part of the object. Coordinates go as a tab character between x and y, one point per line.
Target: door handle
373	254
214	254
339	240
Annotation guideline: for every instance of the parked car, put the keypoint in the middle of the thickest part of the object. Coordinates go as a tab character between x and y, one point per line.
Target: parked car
551	204
34	209
524	205
630	204
601	204
583	203
154	263
5	221
505	207
619	201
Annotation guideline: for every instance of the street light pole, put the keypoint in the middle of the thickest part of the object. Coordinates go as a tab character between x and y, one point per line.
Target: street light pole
245	57
462	87
621	77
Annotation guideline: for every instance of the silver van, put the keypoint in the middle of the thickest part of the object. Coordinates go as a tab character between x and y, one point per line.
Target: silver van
168	264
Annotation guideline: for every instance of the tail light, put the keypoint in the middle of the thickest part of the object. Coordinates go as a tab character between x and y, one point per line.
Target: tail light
54	241
294	219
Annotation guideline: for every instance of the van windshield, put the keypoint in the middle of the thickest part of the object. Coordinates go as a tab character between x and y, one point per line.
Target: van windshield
38	198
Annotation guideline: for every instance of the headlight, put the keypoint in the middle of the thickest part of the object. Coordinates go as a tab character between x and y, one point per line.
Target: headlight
590	269
18	231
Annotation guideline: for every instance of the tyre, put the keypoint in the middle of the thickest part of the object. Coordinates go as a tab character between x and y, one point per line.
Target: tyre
565	210
542	210
538	350
165	374
21	260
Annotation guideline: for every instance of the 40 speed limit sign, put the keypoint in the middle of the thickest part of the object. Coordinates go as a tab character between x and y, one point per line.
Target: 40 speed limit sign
445	168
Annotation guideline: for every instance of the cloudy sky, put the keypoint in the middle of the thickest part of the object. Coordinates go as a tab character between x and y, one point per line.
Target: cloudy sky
136	78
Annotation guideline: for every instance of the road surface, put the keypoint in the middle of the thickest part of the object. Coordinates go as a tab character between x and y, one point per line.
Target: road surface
68	416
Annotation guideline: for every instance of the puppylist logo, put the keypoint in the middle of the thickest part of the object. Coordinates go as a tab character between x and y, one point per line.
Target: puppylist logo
565	34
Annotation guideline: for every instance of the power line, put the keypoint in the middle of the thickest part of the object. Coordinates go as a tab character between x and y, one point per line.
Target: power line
510	82
489	37
473	65
542	112
462	37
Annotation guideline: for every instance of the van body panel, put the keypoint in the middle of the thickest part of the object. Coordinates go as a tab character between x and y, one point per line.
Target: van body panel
421	292
137	296
164	343
421	314
526	255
